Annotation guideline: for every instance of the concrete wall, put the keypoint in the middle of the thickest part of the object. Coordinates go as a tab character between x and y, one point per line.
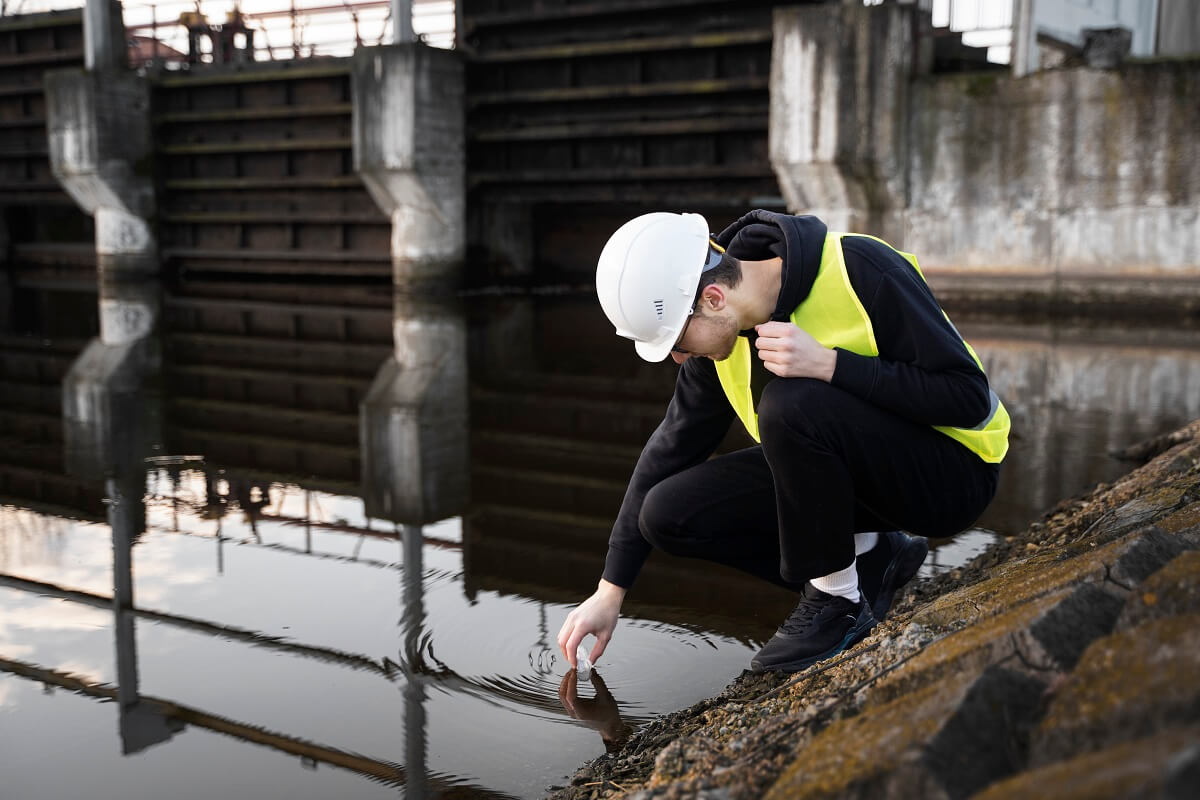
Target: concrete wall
1065	171
1079	183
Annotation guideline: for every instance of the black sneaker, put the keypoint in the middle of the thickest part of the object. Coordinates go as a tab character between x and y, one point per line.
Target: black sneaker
821	626
887	566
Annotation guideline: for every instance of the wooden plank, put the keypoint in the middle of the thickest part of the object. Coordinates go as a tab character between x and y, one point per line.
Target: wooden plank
617	92
264	146
698	41
243	114
627	174
334	256
217	184
48	57
604	130
200	76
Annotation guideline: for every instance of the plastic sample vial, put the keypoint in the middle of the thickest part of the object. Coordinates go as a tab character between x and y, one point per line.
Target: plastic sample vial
583	661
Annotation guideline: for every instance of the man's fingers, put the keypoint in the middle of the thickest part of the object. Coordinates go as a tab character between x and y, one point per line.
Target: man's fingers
598	650
772	329
573	645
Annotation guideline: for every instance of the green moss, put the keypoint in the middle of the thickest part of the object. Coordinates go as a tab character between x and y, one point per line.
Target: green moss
980	85
854	751
1128	676
968	652
1181	520
1133	769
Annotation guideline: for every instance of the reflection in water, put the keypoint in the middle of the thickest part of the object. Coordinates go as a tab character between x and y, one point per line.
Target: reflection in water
600	712
321	447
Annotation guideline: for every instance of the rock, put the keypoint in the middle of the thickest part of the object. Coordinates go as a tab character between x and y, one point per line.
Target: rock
1044	635
1162	766
1125	562
1173	590
1185	520
945	740
695	754
1126	686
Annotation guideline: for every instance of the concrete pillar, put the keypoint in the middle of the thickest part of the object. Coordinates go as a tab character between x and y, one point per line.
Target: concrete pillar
840	88
413	421
409	150
100	151
104	36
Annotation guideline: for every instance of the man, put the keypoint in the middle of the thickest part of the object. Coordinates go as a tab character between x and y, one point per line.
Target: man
871	411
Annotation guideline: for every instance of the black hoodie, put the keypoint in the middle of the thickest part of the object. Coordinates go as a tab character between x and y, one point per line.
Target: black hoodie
923	372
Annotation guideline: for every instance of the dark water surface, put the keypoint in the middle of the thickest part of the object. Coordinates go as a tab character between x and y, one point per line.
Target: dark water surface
280	629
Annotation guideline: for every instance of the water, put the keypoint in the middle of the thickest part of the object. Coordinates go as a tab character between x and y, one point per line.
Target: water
302	612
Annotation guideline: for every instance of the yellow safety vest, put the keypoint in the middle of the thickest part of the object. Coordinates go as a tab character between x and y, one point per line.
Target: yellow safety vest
834	316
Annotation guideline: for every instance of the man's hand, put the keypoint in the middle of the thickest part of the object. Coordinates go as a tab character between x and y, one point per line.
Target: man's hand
598	616
790	352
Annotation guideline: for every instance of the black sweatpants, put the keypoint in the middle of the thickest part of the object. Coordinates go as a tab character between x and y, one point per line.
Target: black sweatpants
830	465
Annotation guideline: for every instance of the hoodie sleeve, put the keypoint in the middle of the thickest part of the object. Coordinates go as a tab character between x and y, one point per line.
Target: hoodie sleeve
696	421
924	371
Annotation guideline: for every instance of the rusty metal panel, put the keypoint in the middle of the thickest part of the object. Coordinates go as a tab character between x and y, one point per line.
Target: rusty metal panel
48	233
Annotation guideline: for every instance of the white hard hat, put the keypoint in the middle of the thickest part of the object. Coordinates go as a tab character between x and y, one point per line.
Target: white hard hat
647	277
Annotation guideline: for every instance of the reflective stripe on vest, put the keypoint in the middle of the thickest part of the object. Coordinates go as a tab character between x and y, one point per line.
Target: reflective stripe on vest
834	316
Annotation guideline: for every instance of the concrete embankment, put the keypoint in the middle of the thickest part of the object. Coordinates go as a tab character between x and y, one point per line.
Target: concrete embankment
1060	663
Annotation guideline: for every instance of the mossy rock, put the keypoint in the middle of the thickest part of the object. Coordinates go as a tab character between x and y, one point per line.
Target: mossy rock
1126	686
1122	563
1166	765
1173	590
946	740
1042	636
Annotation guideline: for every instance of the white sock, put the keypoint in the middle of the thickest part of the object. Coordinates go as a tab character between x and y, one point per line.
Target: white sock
864	542
843	583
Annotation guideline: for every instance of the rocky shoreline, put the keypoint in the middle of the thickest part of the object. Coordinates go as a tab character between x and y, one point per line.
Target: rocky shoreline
1062	662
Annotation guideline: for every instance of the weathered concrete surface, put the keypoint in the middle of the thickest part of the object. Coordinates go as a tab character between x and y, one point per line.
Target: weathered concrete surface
982	675
1072	186
409	149
840	87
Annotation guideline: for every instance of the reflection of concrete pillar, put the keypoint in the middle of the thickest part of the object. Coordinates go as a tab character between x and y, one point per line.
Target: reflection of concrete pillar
840	76
111	417
140	726
409	151
402	29
413	421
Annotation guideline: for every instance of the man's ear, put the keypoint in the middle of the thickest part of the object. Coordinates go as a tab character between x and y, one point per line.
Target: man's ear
713	297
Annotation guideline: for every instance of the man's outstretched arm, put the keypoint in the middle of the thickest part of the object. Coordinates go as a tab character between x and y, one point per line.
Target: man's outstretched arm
696	421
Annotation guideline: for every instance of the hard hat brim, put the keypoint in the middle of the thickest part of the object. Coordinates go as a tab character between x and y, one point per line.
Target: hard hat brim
653	352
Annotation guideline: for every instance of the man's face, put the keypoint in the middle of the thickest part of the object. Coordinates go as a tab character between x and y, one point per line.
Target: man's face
708	334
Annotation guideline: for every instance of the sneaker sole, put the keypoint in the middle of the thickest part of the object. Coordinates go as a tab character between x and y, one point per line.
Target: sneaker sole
902	568
853	636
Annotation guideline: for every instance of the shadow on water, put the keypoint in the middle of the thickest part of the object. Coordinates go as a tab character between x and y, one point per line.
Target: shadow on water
330	533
